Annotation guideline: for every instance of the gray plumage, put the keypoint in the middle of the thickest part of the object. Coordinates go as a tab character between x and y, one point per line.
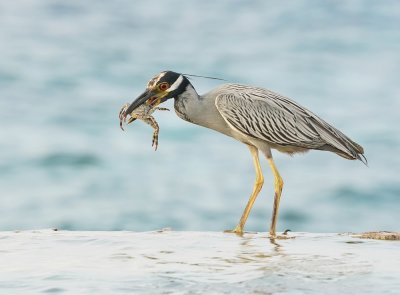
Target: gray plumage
254	114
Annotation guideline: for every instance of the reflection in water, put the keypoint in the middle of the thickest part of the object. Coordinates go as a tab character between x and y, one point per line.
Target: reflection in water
196	262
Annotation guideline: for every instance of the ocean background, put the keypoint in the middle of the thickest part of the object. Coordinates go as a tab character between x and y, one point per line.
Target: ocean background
66	68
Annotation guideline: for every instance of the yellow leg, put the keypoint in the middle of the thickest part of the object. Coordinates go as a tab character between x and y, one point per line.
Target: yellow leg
278	191
256	189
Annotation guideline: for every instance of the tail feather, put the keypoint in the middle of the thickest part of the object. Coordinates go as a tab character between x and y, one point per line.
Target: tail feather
339	143
363	159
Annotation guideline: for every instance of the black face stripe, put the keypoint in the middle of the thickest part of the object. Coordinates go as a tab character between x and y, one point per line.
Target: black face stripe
181	88
169	77
165	76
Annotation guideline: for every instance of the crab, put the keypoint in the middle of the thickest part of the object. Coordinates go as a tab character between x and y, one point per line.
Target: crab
143	113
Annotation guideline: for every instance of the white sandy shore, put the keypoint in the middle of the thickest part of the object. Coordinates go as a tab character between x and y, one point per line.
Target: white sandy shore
68	262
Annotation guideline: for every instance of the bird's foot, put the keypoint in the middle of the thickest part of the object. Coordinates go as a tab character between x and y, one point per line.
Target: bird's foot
283	236
237	230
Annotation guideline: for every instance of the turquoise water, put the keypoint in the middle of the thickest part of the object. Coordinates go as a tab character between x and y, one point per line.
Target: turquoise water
66	68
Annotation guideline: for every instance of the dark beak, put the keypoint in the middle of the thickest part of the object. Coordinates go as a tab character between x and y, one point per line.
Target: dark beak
147	94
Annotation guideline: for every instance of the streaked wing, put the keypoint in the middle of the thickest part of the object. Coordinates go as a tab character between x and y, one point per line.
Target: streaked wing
266	115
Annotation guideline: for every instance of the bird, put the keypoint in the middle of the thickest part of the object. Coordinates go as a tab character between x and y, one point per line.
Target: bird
261	119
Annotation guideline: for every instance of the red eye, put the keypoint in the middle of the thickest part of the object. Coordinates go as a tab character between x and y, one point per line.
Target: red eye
163	86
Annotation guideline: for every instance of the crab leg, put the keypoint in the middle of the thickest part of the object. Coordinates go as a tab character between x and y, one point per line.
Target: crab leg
156	128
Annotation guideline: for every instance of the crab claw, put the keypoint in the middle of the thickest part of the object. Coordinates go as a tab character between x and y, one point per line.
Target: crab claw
122	115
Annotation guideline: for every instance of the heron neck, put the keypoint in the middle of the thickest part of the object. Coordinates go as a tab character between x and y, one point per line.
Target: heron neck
186	103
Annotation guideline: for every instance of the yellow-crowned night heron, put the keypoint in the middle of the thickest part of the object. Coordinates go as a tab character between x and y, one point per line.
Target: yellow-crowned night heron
260	118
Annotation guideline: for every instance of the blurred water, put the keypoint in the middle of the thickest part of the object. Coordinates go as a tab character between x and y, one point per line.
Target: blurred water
67	67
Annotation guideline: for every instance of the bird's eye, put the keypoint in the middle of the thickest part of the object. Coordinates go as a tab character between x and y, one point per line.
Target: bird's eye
163	86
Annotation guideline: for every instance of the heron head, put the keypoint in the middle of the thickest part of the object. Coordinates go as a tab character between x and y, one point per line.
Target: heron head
160	88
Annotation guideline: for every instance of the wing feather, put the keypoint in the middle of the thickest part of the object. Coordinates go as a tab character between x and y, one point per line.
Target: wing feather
268	116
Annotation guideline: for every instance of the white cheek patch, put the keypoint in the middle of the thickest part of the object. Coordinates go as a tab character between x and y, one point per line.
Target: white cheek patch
176	84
